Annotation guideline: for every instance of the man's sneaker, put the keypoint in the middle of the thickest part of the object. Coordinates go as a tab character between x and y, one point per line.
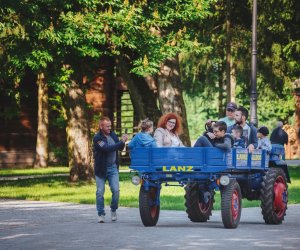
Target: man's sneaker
101	218
113	216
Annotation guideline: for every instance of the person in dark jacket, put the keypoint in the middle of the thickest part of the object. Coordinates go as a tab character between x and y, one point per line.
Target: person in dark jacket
249	130
106	144
279	136
218	138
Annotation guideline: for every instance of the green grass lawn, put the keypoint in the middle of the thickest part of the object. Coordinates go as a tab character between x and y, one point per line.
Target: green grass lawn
34	171
59	189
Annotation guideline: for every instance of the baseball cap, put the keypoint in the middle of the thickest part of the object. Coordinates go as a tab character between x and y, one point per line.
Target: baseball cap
231	105
263	130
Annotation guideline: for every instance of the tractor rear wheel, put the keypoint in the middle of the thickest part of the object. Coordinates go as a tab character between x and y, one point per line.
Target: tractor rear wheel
196	208
274	196
231	204
149	210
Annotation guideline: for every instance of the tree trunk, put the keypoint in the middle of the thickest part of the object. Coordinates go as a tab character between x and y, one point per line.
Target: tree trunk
170	93
135	96
149	99
78	136
221	94
41	155
296	87
106	71
143	99
228	52
233	82
100	92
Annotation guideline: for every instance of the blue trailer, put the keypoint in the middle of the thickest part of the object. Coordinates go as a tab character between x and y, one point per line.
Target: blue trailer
236	174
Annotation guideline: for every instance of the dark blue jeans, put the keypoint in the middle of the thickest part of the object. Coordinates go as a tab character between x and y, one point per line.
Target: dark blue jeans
113	181
203	142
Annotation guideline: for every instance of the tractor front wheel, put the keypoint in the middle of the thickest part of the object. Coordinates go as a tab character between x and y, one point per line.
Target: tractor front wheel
149	209
231	204
197	206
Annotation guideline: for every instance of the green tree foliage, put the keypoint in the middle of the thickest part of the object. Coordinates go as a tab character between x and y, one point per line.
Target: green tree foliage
64	40
279	44
8	28
48	34
278	57
147	33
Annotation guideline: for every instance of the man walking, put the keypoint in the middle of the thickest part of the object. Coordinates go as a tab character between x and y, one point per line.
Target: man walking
106	146
279	136
249	130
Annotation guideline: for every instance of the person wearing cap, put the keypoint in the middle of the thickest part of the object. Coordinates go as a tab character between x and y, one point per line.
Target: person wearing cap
229	118
263	140
249	130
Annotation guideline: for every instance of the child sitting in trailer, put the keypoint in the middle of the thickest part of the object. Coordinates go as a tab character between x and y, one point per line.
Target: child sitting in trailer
263	140
143	138
239	139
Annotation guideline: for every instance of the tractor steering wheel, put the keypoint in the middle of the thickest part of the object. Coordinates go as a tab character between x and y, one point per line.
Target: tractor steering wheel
209	128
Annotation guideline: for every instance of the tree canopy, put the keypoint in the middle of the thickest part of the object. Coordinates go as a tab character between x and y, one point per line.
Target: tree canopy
65	39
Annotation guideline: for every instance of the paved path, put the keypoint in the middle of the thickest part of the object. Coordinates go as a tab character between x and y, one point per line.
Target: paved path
293	162
45	225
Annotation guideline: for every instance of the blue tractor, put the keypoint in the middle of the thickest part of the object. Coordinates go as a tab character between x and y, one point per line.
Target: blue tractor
237	174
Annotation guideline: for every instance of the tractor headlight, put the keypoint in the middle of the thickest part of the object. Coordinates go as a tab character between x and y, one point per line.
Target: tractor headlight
224	180
136	180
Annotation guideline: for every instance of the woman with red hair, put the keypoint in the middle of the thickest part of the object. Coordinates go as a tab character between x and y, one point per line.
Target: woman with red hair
168	128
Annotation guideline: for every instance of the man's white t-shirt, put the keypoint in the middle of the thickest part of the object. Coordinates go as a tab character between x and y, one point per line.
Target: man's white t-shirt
228	121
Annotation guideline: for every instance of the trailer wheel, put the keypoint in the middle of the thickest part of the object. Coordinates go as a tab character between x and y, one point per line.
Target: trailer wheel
197	210
274	196
231	204
149	210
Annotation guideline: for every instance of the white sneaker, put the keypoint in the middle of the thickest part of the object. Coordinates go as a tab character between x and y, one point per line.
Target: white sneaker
101	218
113	216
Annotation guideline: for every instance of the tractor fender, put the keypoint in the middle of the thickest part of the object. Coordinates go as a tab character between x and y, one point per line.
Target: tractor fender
283	166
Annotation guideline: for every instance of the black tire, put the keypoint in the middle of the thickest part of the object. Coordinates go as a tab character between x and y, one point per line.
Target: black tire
149	212
231	204
197	211
274	196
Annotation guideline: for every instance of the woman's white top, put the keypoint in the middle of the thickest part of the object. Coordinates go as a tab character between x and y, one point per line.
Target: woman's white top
165	138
